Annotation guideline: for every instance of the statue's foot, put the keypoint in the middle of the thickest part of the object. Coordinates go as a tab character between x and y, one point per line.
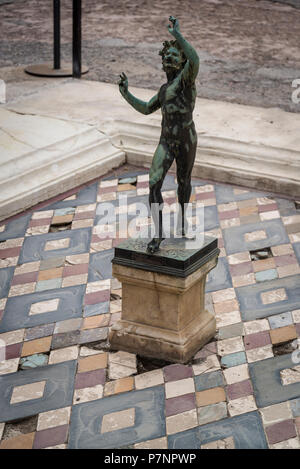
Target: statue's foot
154	244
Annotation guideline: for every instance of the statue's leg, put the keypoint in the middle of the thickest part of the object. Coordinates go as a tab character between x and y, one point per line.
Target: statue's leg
161	162
185	159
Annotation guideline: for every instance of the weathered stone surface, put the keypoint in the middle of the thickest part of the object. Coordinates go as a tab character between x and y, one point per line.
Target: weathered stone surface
163	316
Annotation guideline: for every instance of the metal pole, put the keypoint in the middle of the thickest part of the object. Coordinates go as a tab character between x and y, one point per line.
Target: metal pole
76	38
56	33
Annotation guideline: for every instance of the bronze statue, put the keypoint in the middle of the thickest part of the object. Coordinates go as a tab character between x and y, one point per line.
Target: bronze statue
178	139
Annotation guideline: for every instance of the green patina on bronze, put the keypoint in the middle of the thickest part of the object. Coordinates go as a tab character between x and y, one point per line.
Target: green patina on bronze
178	139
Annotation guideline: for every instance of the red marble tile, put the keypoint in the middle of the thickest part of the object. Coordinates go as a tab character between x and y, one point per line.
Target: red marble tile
177	405
76	269
241	389
89	379
13	351
267	208
177	371
25	278
10	252
39	222
84	215
205	195
105	190
229	214
99	239
241	269
142	184
170	200
51	437
281	431
285	260
259	339
97	297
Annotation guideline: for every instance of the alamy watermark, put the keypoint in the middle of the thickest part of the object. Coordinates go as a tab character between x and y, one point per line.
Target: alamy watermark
2	92
134	220
296	93
2	351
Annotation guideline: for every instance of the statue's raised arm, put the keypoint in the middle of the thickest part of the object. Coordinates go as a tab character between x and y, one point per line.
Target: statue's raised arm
141	106
192	65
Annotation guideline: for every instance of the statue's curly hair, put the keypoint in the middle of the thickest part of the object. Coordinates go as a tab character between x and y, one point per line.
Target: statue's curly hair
166	47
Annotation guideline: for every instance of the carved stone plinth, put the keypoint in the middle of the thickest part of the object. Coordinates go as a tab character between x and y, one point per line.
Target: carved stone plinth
163	313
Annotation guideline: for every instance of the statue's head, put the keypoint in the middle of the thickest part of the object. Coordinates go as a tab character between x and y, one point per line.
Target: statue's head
173	57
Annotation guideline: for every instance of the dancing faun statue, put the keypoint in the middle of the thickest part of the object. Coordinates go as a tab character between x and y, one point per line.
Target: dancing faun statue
178	139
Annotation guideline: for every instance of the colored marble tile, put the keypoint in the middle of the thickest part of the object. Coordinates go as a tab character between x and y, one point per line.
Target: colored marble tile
225	194
90	379
58	390
86	420
233	359
209	380
176	372
34	247
96	309
235	241
295	407
281	431
100	265
247	432
177	405
17	308
50	437
258	339
15	228
267	385
251	304
265	275
232	330
219	278
54	283
212	413
87	195
93	335
237	390
149	379
65	339
39	331
6	276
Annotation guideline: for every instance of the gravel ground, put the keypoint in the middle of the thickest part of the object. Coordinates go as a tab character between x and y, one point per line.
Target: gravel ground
249	49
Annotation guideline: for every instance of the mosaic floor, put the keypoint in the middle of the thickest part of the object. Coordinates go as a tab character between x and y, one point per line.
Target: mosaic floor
60	385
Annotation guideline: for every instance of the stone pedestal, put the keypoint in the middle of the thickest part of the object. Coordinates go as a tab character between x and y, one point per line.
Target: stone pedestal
163	313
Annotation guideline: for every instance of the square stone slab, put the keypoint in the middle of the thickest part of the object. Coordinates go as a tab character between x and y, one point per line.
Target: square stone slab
17	310
57	393
15	228
147	420
251	298
235	238
34	246
267	385
246	430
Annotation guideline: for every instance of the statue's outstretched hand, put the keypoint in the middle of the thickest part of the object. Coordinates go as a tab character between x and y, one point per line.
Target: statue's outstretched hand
123	83
175	25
